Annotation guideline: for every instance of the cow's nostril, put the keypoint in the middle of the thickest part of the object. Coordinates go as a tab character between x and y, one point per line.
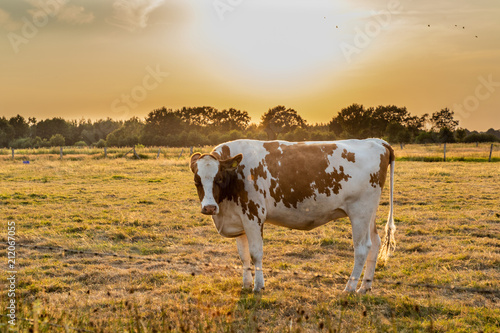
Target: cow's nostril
209	210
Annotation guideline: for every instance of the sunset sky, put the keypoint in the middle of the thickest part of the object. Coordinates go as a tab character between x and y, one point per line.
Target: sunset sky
122	58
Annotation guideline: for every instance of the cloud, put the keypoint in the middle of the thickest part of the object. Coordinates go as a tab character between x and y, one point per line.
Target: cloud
75	15
7	22
133	14
60	9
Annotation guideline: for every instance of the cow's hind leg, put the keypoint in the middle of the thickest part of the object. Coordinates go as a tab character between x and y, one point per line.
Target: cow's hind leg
360	223
371	260
244	252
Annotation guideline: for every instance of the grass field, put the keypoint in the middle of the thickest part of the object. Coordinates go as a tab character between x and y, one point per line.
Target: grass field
447	215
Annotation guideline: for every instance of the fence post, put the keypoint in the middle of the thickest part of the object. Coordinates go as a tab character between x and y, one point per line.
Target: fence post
191	151
477	144
444	151
13	153
61	152
158	155
135	154
105	152
489	159
401	145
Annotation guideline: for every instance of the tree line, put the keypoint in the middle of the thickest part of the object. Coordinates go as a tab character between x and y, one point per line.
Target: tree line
198	126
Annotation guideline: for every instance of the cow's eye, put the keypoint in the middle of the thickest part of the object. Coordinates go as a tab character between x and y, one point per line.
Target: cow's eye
218	180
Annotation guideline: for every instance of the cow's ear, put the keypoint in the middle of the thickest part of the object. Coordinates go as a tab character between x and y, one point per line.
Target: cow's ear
194	158
232	163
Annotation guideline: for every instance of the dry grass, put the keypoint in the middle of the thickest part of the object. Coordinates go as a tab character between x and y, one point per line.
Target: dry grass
447	215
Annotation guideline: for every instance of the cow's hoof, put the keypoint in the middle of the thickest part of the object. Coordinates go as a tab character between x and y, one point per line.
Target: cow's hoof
349	290
258	291
363	290
246	290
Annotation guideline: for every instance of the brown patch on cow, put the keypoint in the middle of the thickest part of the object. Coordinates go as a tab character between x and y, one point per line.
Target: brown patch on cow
391	152
253	211
348	156
299	170
378	178
199	187
255	173
224	154
194	158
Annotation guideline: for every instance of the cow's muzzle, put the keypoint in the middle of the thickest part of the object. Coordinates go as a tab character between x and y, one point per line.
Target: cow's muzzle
209	210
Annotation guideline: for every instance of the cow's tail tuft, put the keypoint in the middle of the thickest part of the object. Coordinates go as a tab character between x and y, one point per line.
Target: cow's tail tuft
389	243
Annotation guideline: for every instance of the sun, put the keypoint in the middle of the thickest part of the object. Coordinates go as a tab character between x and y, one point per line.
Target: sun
277	46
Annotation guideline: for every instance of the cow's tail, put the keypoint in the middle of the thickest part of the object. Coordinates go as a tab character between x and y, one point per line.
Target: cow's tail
389	243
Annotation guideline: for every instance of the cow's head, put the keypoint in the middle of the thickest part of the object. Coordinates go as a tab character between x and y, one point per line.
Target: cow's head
211	177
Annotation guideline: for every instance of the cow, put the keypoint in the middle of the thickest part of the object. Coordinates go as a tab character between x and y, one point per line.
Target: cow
243	184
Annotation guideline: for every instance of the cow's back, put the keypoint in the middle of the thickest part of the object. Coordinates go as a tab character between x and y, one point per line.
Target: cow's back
303	185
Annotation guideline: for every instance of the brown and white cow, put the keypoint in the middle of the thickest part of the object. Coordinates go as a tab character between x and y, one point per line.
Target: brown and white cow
245	183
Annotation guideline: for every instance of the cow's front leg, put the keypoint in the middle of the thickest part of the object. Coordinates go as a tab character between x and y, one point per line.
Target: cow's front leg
253	231
242	243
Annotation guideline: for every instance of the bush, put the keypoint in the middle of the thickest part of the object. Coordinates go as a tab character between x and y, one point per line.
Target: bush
298	134
80	144
101	143
446	135
404	136
235	135
480	137
21	143
37	142
426	137
214	138
195	138
322	136
57	140
460	134
257	135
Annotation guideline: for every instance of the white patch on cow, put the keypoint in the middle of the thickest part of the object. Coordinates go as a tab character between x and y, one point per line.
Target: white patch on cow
207	170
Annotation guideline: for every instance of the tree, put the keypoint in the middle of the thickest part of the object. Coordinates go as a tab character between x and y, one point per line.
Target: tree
416	124
6	132
280	120
354	121
444	119
20	126
393	132
446	135
32	125
49	127
197	117
232	119
160	124
127	135
335	127
382	116
57	140
460	134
